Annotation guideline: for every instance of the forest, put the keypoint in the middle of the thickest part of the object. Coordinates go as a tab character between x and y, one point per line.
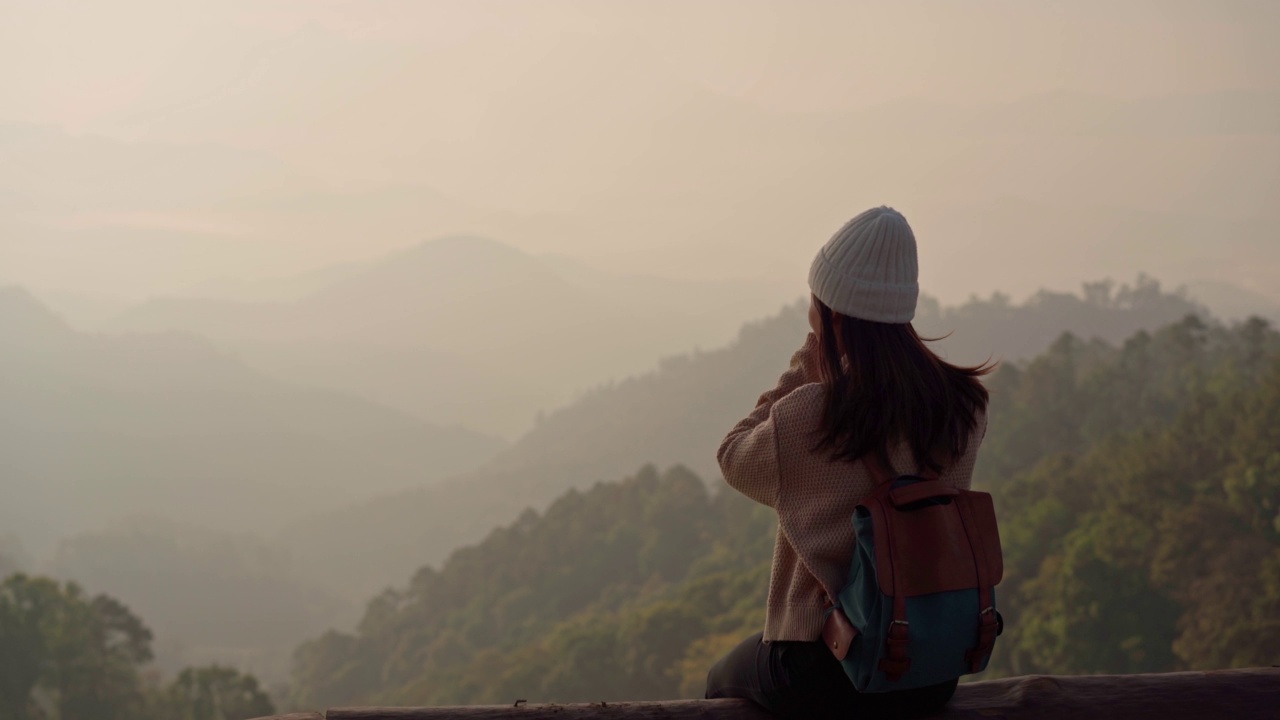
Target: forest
1138	486
65	654
167	439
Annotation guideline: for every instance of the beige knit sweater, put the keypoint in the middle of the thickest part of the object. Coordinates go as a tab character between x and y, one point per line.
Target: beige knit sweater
769	457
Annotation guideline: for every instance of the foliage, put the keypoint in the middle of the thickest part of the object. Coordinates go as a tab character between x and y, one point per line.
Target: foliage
1139	494
214	693
1157	548
67	656
985	327
553	586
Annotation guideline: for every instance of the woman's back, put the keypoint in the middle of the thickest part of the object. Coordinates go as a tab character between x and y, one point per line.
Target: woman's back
778	462
863	391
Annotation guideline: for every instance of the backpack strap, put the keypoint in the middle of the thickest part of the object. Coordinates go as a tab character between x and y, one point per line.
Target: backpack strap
988	622
896	661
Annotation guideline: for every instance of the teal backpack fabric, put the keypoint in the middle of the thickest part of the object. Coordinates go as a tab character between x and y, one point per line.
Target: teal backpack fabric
918	608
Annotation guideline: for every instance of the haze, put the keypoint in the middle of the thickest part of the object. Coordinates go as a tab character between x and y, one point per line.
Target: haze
178	147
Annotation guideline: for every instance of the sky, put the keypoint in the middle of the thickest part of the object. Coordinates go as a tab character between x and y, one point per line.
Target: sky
154	147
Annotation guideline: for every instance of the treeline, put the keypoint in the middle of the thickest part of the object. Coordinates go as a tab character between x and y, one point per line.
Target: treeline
65	655
599	597
1147	535
677	415
996	326
1138	488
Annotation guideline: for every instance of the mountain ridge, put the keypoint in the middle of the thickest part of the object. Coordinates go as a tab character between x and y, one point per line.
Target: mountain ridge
677	413
468	329
188	432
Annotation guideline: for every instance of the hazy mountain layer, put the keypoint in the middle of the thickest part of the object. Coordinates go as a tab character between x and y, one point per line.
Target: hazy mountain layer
96	427
1232	302
677	414
209	597
468	330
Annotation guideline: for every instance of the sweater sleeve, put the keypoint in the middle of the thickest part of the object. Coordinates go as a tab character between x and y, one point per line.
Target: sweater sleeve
749	454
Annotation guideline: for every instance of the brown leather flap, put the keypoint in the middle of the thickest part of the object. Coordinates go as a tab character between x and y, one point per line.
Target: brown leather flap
983	512
938	547
838	633
921	491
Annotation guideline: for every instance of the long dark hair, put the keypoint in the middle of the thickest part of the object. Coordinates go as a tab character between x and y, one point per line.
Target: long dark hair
894	388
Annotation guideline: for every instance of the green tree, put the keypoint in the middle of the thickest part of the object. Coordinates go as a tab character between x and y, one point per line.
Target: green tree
27	609
216	693
97	658
67	655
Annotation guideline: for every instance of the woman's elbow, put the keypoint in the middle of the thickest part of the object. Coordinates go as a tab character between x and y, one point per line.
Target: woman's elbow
724	456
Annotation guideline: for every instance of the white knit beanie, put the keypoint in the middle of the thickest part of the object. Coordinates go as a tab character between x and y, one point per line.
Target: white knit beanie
868	269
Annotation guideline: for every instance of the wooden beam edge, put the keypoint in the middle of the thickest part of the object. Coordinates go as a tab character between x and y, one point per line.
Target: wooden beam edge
1242	694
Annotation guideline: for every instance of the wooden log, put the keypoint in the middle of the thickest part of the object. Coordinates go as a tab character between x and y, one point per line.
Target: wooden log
1250	694
664	710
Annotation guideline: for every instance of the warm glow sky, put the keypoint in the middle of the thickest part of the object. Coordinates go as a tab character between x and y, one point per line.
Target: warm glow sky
151	146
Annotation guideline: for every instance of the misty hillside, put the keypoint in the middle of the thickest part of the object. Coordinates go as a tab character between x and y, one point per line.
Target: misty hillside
429	285
678	414
1231	302
208	596
95	427
467	330
1000	329
1100	456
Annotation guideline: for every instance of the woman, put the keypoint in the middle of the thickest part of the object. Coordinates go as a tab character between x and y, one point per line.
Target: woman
864	385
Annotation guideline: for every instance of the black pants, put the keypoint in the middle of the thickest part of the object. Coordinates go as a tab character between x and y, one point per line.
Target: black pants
804	680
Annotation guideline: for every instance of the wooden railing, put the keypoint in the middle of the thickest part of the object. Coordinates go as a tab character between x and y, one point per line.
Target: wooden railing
1250	694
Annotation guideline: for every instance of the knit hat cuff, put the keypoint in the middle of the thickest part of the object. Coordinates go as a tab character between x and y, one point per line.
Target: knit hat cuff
862	299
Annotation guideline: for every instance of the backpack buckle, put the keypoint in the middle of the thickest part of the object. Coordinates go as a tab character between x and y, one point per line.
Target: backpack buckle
988	628
895	663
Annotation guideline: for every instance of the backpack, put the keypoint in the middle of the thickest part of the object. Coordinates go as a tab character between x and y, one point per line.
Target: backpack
919	606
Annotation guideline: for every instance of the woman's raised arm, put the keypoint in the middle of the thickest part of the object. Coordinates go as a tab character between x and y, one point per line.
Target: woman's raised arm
749	454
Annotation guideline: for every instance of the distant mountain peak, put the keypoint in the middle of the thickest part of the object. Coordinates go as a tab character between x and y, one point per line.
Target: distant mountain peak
21	312
463	245
456	255
441	267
